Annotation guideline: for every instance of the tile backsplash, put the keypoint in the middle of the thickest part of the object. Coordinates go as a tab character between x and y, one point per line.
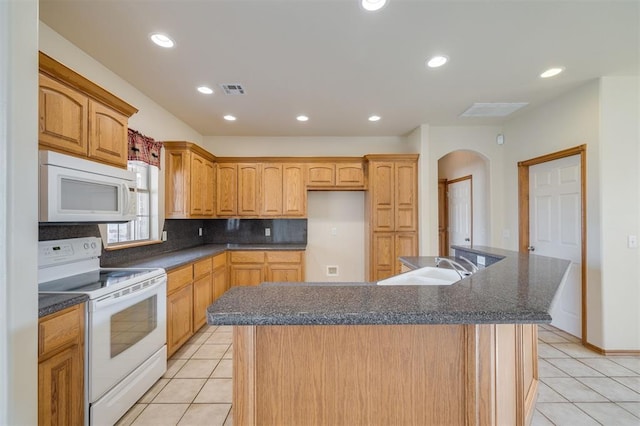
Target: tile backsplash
183	233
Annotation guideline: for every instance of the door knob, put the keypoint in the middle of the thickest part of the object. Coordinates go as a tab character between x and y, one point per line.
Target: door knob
467	239
531	248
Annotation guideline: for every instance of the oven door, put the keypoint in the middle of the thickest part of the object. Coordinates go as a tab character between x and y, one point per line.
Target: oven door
125	329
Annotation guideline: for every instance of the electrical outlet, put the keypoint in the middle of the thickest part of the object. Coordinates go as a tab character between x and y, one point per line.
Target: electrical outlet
267	232
334	231
199	232
332	270
164	236
632	241
481	260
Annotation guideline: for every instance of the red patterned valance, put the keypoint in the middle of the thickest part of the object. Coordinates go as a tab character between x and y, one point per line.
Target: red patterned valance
143	148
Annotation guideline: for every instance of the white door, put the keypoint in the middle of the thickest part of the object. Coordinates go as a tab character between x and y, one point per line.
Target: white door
460	225
555	230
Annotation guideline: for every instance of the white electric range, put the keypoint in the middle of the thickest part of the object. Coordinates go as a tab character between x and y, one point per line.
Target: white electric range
125	341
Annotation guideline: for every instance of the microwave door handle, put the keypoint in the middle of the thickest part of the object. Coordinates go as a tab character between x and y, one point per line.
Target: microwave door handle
125	198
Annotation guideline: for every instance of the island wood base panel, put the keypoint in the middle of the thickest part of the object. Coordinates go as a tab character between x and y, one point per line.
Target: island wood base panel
385	374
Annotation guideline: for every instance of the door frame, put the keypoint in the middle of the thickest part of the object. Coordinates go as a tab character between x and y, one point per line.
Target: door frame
523	214
443	218
456	180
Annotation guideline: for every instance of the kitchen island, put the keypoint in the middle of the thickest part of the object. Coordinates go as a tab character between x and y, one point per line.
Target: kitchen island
461	354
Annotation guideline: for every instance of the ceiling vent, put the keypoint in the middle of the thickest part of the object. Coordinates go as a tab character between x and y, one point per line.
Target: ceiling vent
233	89
493	109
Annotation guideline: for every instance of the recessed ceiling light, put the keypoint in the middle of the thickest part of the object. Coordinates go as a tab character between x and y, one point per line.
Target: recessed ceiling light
162	40
302	118
551	72
374	118
229	117
373	5
437	61
205	90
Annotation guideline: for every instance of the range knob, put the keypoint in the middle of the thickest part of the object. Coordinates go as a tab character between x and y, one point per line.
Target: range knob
93	245
86	246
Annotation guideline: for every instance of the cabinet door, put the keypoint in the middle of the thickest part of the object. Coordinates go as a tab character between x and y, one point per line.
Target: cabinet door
177	183
107	135
382	189
271	190
202	298
406	199
63	115
286	272
220	282
61	388
321	175
201	187
294	192
227	189
179	318
406	244
246	274
383	256
350	175
248	184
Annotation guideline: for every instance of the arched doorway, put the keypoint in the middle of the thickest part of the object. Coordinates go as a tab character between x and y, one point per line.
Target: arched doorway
463	200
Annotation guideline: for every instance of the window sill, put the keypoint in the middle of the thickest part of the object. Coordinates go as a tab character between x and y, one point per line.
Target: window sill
132	244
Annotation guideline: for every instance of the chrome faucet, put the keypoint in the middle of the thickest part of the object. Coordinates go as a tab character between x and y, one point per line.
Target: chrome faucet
474	268
461	270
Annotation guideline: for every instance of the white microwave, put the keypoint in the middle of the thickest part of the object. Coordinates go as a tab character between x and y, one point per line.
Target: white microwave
73	189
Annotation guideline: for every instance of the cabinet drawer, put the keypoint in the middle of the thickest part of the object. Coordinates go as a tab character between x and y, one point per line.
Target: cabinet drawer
179	278
247	257
219	260
202	267
284	257
60	329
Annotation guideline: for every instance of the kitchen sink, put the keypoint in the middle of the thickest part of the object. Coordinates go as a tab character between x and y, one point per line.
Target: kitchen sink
428	275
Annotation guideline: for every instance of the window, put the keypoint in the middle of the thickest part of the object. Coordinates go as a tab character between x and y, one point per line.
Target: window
145	226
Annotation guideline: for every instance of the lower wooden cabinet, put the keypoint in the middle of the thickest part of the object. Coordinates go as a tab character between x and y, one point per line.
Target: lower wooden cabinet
179	318
190	290
387	247
61	367
255	267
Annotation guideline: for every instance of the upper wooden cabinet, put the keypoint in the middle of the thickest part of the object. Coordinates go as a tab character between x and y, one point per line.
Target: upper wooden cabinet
336	175
79	118
189	181
283	193
261	189
393	193
248	187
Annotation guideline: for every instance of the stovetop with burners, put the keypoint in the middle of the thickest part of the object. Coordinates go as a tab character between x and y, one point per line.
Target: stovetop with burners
73	266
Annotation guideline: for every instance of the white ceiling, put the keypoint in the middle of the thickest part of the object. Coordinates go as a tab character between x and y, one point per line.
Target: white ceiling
336	63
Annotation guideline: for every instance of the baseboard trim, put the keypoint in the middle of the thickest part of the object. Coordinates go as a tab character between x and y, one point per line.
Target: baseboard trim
633	352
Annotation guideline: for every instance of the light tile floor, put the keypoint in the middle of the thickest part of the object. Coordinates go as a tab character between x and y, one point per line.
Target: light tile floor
577	386
581	387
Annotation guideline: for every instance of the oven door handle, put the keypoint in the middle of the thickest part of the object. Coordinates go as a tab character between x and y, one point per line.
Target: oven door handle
109	300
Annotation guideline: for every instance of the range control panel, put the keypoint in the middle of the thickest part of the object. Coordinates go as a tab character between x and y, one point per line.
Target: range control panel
71	250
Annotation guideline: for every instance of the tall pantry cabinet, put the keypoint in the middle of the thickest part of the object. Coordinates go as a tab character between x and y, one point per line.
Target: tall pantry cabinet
391	213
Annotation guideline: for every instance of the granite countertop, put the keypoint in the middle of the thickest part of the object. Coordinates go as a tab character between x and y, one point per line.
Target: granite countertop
517	289
51	303
175	259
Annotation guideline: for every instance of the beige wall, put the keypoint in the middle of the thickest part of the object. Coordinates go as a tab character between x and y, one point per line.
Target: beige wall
18	212
435	143
620	210
603	115
335	235
290	146
151	119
